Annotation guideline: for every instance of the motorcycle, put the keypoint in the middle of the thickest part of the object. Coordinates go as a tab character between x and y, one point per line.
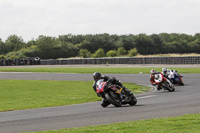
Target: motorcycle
175	78
114	94
164	82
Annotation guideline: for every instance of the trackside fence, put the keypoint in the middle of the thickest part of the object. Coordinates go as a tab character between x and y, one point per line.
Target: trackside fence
131	60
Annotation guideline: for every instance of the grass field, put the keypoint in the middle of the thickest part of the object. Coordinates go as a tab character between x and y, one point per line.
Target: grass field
181	124
120	70
28	94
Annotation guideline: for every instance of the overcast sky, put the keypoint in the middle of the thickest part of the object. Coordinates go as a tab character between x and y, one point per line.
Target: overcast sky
31	18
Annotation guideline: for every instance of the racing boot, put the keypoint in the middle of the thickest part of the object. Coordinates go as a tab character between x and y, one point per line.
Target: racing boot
158	87
104	103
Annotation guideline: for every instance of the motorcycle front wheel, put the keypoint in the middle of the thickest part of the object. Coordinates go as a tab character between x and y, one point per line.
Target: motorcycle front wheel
113	98
133	100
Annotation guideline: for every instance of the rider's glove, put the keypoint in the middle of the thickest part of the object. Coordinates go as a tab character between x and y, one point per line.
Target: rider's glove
99	95
113	79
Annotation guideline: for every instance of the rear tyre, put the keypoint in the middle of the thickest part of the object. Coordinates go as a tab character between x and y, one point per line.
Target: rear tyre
167	86
113	98
181	82
171	89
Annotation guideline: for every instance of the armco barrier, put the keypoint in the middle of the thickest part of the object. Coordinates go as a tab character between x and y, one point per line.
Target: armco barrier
131	60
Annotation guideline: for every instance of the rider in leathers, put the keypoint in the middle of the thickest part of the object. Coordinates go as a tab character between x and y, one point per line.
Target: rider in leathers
153	72
165	72
97	76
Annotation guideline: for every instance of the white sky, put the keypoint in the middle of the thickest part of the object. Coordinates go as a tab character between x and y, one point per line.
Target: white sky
31	18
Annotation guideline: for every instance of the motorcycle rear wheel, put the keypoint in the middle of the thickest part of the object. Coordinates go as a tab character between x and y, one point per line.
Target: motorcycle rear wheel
167	87
179	81
170	89
113	99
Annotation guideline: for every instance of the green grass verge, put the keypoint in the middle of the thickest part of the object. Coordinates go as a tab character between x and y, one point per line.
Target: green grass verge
28	94
181	124
120	70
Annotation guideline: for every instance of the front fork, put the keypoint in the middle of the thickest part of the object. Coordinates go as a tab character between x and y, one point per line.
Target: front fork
119	91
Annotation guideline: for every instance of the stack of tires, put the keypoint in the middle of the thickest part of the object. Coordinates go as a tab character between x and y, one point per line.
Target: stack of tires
21	61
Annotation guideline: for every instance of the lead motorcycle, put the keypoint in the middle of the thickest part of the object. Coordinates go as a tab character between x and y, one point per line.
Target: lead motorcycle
114	94
164	82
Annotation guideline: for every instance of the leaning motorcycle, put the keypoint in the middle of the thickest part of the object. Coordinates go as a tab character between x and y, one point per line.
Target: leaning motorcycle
175	78
164	82
114	94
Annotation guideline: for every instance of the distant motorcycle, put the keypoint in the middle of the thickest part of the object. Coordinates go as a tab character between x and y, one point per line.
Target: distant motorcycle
164	83
114	94
175	78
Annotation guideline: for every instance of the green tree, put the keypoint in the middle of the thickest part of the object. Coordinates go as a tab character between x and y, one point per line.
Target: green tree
99	53
2	47
14	43
68	50
194	46
144	44
47	47
128	41
84	45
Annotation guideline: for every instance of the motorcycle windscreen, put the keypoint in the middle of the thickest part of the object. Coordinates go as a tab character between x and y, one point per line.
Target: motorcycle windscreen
158	78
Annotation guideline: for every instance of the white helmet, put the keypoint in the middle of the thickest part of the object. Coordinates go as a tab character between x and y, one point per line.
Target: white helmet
153	71
164	70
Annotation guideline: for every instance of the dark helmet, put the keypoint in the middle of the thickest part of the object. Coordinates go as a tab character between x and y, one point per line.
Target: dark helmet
96	76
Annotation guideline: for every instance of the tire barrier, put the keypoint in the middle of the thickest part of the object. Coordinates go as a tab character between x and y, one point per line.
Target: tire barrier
131	60
21	61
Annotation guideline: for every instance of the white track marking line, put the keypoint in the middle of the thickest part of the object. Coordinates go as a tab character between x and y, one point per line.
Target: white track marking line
146	97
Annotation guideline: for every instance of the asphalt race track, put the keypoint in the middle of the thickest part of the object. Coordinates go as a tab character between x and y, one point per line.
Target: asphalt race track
185	100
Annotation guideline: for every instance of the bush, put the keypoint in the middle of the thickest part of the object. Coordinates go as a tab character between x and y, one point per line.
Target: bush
111	53
121	51
99	53
84	53
2	57
15	55
132	52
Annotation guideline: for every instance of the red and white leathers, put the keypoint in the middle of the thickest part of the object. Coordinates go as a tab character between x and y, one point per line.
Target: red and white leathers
152	80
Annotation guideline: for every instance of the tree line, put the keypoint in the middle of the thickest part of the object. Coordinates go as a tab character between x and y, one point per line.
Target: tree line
99	45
